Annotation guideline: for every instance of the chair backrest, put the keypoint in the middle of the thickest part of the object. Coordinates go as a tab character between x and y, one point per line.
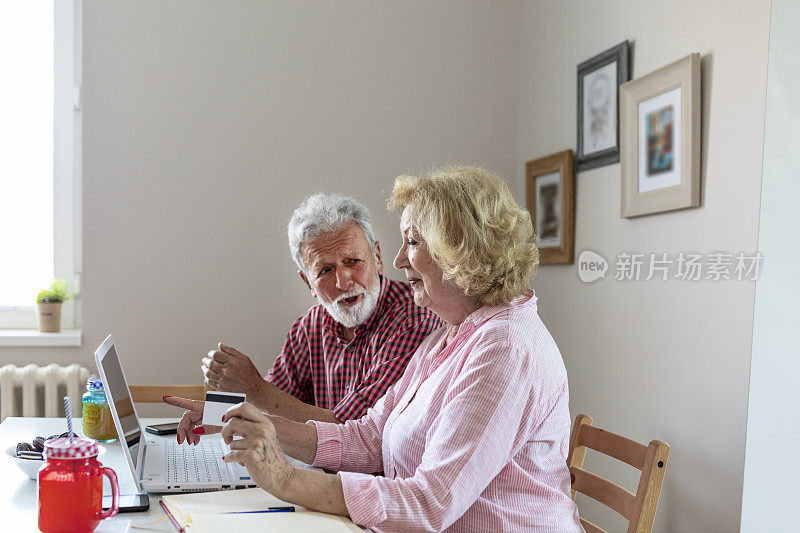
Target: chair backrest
153	393
640	508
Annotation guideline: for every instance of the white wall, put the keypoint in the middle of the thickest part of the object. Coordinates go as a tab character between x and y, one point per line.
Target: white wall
206	123
770	472
657	360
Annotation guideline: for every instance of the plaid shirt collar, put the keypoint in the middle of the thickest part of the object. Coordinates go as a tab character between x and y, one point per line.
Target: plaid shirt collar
337	329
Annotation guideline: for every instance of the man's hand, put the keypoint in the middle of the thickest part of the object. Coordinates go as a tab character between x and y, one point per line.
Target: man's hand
229	370
189	428
259	450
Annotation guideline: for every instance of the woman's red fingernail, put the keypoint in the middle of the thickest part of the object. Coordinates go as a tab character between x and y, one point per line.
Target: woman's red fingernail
165	397
223	457
199	431
223	418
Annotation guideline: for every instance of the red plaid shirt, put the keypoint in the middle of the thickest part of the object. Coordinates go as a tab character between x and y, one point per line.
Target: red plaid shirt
319	367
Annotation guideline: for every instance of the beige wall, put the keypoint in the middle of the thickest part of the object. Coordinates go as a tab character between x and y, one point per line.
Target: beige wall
657	360
206	123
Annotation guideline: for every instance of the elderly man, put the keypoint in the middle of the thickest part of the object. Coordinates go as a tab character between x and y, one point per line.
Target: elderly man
342	355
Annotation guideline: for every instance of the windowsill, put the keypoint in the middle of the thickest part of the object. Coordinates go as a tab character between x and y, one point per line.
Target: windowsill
32	337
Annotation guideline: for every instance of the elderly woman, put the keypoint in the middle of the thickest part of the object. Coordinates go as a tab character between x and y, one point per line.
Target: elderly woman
474	436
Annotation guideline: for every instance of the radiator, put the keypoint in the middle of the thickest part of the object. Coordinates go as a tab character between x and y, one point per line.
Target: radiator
31	379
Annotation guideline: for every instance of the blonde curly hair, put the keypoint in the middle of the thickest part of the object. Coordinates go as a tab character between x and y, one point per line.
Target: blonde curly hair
475	231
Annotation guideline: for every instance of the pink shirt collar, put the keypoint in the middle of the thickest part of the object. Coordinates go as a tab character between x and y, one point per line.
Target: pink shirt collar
478	317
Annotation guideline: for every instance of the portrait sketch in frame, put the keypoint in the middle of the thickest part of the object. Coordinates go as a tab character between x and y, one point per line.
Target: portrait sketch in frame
599	79
660	139
551	201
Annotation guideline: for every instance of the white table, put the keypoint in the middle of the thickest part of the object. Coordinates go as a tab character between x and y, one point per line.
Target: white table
18	493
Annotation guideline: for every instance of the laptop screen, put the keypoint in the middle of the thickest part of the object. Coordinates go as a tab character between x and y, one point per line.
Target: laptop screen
117	391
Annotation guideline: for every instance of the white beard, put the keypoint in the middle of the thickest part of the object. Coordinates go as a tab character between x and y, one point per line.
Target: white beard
351	317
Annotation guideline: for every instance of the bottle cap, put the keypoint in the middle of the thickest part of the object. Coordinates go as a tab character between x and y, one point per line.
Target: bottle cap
62	449
94	384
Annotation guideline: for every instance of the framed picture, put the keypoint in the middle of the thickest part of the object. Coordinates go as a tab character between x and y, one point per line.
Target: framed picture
660	137
598	106
551	201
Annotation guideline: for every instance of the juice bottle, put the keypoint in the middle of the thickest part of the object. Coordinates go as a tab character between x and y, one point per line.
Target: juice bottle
97	421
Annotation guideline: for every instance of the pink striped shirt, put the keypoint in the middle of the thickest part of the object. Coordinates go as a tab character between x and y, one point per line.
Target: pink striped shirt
473	437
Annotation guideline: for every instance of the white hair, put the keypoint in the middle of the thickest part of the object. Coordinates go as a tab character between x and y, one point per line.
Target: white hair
321	213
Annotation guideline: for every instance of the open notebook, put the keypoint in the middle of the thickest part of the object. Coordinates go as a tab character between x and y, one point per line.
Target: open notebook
205	511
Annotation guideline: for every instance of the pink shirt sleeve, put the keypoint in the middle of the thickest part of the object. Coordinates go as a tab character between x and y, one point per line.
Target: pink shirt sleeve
356	445
360	438
484	421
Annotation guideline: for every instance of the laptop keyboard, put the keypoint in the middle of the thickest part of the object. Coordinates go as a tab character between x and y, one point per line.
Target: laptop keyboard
200	463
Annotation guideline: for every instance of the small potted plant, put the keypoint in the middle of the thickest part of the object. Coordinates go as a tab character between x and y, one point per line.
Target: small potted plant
48	306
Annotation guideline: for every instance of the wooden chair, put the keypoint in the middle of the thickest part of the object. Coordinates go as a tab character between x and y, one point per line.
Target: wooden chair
640	508
153	393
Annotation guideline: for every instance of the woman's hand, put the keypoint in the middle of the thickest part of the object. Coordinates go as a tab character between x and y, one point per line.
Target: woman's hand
189	428
259	450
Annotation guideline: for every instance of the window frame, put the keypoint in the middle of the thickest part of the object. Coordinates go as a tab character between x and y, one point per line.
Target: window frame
67	168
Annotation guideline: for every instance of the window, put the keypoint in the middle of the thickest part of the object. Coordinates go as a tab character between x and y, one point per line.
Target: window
40	164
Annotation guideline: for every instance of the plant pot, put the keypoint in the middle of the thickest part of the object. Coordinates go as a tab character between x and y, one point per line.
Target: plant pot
49	315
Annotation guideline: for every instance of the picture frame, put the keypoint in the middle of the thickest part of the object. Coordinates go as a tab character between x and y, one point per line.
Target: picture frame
660	139
549	191
599	79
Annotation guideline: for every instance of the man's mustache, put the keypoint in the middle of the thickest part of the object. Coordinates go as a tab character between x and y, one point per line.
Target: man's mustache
348	295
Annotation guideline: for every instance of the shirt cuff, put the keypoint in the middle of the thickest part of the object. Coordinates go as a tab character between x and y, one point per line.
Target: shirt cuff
329	446
363	498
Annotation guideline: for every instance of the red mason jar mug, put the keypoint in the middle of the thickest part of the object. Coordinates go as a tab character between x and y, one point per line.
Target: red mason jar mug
71	487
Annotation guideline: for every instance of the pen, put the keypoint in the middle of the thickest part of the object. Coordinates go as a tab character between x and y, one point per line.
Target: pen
288	509
171	518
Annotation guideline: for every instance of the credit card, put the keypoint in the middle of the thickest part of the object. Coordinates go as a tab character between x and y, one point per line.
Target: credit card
217	403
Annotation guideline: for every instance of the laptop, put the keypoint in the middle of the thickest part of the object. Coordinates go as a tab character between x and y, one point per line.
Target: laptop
161	464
